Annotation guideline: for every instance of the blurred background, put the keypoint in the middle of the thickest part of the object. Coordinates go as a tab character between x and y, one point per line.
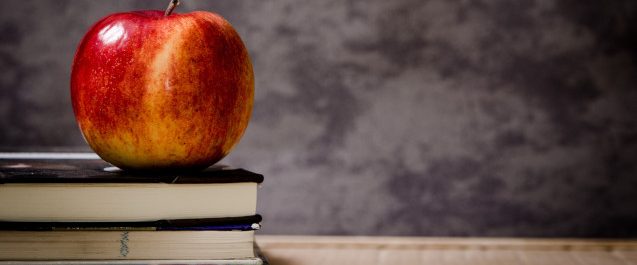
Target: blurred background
406	117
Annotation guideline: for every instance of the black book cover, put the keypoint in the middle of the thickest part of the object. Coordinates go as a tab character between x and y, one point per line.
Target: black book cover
87	168
226	223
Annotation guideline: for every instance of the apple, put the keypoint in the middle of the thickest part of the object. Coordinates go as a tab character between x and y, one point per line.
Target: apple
155	90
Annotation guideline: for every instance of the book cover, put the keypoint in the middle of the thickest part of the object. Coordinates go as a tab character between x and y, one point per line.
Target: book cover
88	168
243	223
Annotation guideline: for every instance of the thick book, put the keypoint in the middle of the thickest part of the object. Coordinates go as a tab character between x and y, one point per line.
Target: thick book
258	259
126	245
55	187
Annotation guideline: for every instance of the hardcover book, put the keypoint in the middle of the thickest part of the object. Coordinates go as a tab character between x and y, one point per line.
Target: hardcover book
58	189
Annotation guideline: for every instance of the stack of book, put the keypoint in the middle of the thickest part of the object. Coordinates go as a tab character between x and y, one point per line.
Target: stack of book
61	208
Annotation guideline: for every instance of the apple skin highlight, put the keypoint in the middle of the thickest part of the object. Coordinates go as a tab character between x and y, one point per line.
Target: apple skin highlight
155	92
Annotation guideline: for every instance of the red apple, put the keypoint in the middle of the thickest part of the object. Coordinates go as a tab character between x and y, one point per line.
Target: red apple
155	91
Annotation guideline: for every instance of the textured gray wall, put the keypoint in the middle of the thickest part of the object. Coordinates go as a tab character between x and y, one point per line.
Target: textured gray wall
409	117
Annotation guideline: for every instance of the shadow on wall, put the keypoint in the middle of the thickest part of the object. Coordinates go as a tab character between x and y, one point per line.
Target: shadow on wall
448	118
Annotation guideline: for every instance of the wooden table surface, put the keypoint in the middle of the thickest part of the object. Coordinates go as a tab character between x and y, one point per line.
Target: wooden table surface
334	250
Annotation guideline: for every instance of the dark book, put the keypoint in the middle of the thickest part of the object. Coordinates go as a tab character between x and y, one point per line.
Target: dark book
79	187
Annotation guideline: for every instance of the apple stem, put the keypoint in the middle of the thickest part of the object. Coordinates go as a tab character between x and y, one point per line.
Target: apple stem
171	7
